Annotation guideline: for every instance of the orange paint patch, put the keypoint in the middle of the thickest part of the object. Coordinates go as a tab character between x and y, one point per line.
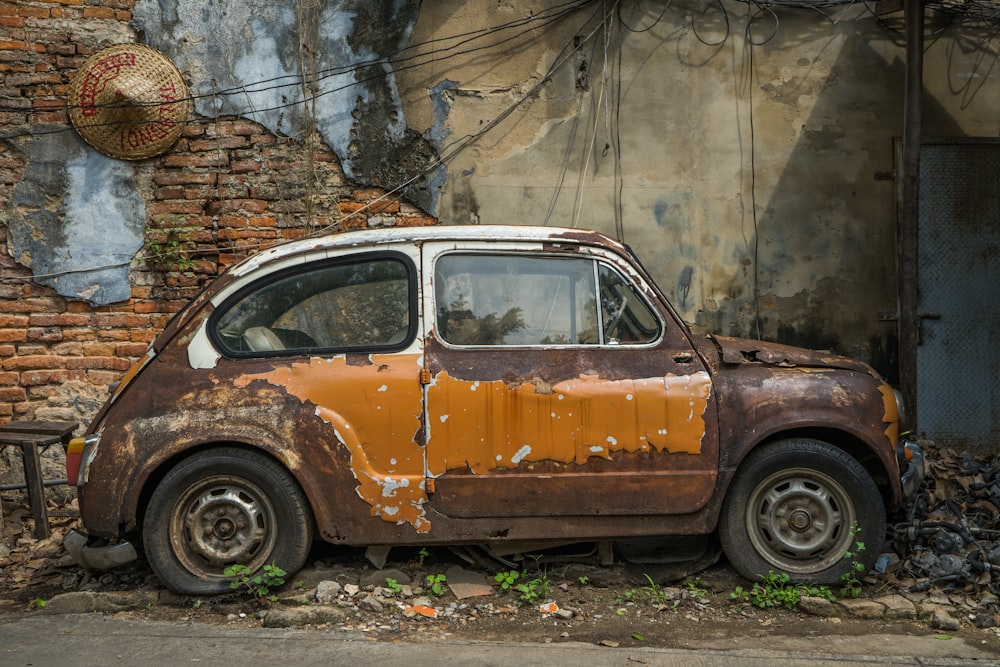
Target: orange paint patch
376	412
891	418
488	425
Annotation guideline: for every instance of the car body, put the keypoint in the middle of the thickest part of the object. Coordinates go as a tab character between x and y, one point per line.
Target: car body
474	385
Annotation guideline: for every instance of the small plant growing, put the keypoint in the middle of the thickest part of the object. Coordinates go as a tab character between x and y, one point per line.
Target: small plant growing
38	603
436	584
169	246
774	589
583	579
508	579
259	585
422	555
696	588
654	591
851	580
531	591
393	586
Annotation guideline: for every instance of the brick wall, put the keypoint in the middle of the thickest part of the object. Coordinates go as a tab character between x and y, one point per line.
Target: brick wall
227	189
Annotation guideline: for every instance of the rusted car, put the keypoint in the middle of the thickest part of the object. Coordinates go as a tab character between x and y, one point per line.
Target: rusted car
475	385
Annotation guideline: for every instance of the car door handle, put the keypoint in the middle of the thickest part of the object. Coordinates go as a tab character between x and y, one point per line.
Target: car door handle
683	357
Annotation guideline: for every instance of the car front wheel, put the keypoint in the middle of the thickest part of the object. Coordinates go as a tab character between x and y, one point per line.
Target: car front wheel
225	507
791	509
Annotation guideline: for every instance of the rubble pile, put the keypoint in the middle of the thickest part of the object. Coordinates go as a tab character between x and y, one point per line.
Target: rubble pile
948	536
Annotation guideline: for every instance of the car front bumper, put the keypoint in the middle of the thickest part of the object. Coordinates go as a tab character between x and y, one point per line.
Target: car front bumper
97	556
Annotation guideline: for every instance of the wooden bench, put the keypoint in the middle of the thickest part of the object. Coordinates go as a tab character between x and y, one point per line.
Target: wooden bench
32	437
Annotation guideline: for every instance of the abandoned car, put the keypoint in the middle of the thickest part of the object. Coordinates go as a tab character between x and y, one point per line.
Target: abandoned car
475	385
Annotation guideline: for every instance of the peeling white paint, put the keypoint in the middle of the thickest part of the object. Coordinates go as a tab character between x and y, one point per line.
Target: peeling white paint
200	352
521	453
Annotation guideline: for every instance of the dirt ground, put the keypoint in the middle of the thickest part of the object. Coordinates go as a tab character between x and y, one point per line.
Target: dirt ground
619	605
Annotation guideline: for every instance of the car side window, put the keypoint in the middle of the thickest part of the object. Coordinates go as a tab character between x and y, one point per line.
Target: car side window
520	300
326	306
626	318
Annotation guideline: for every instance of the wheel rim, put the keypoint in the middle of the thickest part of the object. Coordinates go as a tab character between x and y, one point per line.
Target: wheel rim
799	520
220	521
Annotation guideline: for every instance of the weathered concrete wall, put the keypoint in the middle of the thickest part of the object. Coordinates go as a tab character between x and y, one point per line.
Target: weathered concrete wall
753	151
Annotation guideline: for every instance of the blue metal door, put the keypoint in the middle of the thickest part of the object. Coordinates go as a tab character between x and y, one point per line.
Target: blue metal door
958	356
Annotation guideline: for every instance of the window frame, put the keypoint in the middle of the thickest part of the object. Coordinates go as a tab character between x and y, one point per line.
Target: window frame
596	262
256	284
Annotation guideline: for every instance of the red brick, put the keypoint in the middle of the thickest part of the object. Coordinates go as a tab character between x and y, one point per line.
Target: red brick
184	178
220	143
174	208
238	206
244	166
13	321
212	159
45	335
8	379
104	363
102	378
32	378
32	362
130	350
13	335
12	21
98	13
12	394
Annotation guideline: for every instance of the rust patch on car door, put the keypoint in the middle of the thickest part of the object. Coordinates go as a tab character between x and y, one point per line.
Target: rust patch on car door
489	425
376	410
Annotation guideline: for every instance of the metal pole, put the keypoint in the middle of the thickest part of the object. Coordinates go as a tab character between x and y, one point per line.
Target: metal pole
908	272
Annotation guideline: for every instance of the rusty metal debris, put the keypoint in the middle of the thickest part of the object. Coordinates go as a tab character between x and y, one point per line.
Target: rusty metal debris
949	535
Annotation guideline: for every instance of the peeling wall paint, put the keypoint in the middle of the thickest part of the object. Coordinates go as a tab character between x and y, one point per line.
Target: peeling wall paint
244	58
73	210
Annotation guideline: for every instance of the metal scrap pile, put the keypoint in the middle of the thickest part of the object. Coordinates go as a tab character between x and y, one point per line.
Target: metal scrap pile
948	536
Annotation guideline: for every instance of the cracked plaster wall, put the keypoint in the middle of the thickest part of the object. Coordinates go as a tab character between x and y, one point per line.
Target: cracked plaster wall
753	201
244	57
73	210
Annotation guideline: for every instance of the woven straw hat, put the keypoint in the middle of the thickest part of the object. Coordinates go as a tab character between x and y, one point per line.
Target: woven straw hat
129	102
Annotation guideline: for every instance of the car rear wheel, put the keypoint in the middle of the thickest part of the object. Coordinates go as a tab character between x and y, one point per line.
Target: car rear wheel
220	508
791	509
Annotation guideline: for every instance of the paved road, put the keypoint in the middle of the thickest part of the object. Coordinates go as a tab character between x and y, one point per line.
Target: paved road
78	640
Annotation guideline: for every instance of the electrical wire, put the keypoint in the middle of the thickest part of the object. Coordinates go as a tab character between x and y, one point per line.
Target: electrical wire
535	22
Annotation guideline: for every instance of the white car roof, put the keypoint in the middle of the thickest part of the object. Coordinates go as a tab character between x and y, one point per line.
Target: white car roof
377	237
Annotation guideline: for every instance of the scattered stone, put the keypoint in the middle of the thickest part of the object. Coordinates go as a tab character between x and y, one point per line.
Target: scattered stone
85	602
465	584
352	589
943	620
289	617
565	614
371	603
896	606
862	608
327	591
817	606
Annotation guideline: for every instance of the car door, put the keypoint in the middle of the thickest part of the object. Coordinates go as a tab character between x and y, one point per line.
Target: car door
557	384
337	337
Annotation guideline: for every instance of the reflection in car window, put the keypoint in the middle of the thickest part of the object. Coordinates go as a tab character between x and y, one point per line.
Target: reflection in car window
330	306
525	300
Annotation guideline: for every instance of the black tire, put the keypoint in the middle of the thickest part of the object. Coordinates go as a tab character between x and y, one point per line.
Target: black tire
223	507
791	507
